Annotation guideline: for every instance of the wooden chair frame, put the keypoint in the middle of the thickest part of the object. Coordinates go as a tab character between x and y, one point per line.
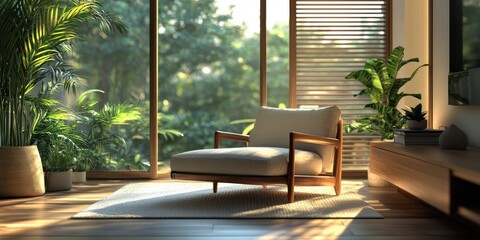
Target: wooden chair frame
291	180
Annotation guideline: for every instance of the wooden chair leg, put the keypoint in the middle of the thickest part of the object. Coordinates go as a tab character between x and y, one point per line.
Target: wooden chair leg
338	188
215	187
291	193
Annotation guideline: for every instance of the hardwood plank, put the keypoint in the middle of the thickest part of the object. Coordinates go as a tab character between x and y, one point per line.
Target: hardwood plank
408	230
48	217
228	237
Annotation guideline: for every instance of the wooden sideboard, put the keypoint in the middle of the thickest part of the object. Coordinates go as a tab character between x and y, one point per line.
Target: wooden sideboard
448	180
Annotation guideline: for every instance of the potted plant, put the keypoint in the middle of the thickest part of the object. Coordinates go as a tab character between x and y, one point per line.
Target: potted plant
35	33
58	164
81	164
382	85
57	144
415	117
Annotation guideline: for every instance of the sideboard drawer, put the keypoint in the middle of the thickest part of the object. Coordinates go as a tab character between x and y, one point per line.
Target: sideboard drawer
426	181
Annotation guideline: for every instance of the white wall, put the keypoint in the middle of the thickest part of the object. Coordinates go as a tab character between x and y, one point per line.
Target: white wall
410	30
416	45
466	118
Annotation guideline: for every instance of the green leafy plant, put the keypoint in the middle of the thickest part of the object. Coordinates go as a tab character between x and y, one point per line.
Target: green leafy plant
415	113
50	129
83	159
382	85
96	125
35	34
54	115
60	155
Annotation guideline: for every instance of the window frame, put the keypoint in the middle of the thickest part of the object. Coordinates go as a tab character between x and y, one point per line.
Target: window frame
152	173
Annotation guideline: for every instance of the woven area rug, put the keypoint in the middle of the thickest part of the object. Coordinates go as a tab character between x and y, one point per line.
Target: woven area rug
196	200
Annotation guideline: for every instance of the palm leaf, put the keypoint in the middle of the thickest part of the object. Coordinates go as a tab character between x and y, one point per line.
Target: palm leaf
169	134
241	121
248	128
84	96
34	35
119	114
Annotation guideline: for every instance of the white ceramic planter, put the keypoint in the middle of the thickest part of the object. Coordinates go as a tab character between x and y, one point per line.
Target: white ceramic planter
58	181
21	173
79	177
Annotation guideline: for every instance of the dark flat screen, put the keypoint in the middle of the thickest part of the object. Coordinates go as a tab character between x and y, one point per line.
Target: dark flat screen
464	77
464	87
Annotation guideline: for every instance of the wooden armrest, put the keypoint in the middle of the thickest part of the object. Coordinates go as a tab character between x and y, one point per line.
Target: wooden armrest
309	138
219	135
314	139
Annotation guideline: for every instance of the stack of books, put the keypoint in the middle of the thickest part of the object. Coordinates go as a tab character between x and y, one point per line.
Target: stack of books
420	137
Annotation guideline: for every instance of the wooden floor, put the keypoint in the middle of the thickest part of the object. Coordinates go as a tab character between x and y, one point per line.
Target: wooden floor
48	217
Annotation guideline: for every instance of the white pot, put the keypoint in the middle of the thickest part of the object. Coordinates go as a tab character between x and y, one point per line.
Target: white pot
58	181
79	177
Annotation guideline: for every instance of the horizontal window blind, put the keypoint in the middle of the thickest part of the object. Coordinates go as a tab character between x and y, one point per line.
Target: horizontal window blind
330	39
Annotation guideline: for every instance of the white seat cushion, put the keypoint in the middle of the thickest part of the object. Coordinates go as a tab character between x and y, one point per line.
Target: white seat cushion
256	161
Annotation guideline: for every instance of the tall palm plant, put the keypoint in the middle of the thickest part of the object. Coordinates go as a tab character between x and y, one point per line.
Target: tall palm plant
35	33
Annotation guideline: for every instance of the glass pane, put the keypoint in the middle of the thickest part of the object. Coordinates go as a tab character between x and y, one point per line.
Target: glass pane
118	66
208	70
277	52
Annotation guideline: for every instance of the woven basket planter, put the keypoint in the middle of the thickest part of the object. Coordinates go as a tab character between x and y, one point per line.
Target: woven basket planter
21	173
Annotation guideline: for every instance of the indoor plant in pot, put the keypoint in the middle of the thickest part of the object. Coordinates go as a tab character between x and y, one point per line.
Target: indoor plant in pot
382	85
58	144
415	117
81	164
58	163
35	33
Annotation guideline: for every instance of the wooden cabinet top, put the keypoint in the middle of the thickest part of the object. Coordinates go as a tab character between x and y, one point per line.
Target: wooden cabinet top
458	160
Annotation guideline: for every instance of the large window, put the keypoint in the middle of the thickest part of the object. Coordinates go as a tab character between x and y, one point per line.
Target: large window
330	39
116	69
208	70
210	67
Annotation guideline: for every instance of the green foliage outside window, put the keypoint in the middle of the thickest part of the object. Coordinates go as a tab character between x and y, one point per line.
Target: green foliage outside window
208	73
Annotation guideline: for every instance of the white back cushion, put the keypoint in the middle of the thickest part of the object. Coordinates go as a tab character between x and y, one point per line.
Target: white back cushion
273	127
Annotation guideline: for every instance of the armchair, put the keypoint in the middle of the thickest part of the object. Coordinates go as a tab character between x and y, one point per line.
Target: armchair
287	146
